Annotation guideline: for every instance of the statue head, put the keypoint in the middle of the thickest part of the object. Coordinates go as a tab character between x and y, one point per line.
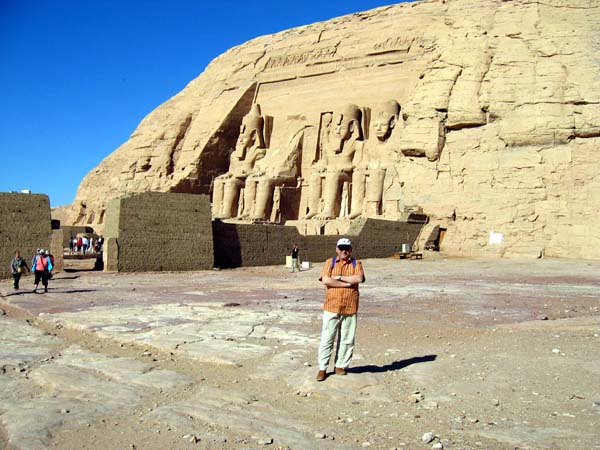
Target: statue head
251	130
384	120
347	123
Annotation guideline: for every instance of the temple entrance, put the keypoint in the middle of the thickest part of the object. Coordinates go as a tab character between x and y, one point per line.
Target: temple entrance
434	242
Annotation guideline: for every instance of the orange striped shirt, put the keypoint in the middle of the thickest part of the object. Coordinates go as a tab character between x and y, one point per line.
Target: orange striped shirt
342	300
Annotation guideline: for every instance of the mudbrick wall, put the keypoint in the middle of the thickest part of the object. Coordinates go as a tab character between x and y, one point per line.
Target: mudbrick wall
260	245
159	232
24	225
56	249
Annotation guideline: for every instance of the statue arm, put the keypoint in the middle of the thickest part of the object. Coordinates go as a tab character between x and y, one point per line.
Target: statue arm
255	154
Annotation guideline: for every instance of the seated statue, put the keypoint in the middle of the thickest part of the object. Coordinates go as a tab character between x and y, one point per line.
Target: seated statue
376	166
344	138
277	169
250	147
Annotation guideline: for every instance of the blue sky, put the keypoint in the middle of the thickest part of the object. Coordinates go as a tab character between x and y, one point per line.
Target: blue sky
77	76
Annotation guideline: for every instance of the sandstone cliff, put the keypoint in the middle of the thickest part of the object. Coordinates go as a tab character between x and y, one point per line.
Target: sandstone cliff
500	117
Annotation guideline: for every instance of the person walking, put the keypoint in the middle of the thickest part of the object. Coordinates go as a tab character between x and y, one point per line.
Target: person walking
295	253
17	267
341	276
41	265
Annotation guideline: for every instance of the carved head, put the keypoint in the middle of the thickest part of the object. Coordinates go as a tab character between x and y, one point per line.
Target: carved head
347	123
386	115
251	131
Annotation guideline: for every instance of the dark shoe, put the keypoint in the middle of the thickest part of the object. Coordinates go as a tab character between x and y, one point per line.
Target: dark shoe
321	375
340	371
46	291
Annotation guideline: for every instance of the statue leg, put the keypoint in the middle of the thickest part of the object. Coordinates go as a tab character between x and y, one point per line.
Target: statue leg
314	195
230	197
217	205
249	195
331	196
359	180
264	195
375	191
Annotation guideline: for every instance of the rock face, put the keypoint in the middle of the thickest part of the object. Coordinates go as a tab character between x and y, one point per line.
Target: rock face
495	141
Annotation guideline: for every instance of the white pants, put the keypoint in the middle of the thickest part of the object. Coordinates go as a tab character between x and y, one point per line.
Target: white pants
295	264
344	325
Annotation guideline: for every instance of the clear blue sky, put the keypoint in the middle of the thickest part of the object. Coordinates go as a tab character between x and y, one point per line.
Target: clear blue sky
77	76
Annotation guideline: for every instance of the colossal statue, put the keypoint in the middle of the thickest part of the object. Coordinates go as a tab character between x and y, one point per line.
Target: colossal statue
376	169
340	140
277	169
250	147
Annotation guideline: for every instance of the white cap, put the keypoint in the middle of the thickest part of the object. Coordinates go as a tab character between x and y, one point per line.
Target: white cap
344	241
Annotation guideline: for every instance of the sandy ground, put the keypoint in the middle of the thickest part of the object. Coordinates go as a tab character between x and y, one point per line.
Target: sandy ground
480	354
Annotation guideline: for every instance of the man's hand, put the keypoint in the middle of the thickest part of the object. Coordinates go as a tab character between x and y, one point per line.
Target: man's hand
343	280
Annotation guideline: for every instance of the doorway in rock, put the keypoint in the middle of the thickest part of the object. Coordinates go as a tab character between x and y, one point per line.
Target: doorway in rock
434	242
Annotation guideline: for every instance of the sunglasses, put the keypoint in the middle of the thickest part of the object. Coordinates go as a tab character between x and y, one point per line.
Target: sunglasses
345	248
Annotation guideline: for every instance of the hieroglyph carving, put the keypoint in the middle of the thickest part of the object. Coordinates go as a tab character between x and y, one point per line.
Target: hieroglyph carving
318	54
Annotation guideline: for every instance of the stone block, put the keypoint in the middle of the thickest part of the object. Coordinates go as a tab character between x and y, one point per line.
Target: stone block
25	225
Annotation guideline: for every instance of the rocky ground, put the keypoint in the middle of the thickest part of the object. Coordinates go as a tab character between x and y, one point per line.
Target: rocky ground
451	353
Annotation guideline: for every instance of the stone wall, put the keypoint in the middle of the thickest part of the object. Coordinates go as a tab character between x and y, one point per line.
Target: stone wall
56	249
259	245
24	225
158	232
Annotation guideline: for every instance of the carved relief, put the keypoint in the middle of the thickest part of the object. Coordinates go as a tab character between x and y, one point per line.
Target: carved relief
317	54
396	43
374	173
341	139
279	168
349	176
250	147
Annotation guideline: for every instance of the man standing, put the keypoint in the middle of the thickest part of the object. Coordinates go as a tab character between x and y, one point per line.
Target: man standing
341	276
17	267
295	253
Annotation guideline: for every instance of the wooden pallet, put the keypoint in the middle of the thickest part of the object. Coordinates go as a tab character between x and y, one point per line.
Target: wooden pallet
411	255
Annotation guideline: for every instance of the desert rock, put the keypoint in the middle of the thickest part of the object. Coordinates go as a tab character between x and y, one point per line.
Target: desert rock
499	126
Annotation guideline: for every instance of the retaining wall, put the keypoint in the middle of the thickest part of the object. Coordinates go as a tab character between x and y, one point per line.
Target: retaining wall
158	232
260	245
25	225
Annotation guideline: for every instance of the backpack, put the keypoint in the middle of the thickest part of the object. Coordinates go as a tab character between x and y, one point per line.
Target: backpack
333	262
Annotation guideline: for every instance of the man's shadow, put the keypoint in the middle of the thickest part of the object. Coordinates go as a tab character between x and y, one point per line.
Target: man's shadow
396	365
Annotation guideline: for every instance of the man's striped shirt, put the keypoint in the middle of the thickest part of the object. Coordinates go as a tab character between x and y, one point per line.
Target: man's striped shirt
342	300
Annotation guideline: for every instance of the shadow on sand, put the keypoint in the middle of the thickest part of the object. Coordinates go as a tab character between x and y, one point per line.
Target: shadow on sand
396	365
50	291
